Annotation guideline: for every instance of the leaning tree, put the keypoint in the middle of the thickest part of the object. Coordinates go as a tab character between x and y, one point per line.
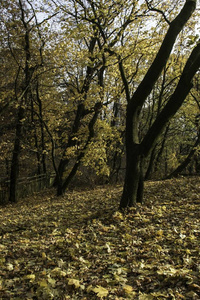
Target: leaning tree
136	150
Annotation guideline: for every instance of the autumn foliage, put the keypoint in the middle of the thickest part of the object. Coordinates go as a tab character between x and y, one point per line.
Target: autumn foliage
75	87
80	247
94	94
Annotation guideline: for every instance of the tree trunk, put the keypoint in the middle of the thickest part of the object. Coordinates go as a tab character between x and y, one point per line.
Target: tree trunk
71	142
39	101
15	157
134	150
21	112
151	163
160	152
133	185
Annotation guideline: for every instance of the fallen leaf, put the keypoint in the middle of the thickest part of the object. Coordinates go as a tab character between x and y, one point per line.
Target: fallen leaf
100	291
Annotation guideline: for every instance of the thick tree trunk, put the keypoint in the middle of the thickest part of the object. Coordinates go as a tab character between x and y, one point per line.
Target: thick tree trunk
133	185
134	151
133	177
182	90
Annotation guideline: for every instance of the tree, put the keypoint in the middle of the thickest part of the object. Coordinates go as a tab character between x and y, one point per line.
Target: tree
190	144
72	89
23	45
135	151
95	21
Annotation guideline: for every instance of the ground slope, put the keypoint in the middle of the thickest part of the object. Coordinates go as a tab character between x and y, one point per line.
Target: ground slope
80	247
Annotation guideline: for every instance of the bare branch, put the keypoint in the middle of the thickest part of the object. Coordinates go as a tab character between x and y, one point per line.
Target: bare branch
157	10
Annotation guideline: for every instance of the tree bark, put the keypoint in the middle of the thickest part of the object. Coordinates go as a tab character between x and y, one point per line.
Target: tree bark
150	163
135	151
182	90
15	157
28	72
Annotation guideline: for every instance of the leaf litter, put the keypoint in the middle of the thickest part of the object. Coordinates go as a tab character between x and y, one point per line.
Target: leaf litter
80	246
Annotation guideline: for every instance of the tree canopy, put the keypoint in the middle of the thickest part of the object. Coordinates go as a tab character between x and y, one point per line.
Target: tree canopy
87	85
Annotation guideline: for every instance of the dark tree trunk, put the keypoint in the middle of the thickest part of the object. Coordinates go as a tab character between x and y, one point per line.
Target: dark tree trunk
160	152
39	101
151	163
135	151
21	112
133	185
71	142
15	157
35	137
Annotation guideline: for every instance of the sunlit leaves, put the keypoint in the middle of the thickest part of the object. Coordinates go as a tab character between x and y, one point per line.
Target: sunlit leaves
74	282
100	291
84	247
97	154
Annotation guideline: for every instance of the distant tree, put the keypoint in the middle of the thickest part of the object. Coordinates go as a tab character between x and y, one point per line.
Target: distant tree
23	46
97	35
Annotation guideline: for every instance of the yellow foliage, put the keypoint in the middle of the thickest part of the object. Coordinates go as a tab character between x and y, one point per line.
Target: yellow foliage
74	282
128	289
100	291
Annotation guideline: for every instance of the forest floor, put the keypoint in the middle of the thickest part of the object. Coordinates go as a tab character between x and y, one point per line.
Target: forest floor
80	246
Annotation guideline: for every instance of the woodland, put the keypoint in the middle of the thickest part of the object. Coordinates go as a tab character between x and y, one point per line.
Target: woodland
93	91
103	98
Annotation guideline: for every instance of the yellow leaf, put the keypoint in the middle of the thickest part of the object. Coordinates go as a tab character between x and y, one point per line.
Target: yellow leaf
146	297
44	255
43	283
55	271
191	295
100	291
58	272
2	260
51	281
128	236
160	232
63	273
30	276
89	288
74	282
108	248
118	216
10	267
127	289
